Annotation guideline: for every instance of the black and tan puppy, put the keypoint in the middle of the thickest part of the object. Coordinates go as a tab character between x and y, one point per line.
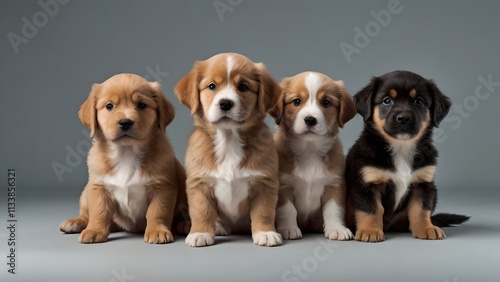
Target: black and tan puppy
390	169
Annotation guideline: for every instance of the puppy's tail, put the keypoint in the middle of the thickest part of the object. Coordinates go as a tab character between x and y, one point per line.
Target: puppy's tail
448	219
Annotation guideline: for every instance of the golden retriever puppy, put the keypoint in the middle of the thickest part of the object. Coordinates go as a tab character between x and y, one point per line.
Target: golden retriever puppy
135	180
312	187
231	161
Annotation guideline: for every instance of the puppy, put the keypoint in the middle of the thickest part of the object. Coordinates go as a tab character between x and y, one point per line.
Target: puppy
311	159
231	161
390	169
134	178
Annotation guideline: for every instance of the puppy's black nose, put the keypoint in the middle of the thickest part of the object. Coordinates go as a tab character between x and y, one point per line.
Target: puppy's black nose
404	119
225	104
125	124
311	121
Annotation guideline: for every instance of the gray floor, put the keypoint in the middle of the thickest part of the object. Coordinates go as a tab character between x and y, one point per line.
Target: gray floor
470	253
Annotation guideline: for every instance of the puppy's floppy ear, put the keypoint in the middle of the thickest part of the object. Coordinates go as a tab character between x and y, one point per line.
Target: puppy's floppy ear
186	89
269	90
346	108
362	99
277	113
88	111
165	111
440	103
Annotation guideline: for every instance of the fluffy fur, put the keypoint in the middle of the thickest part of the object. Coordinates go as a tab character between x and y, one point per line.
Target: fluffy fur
312	188
231	161
390	169
135	180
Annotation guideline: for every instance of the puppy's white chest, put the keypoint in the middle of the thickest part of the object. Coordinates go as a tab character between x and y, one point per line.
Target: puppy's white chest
403	162
403	175
231	189
127	186
308	180
130	197
231	183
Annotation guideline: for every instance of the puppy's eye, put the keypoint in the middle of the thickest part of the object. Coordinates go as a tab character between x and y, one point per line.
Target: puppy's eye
387	101
296	102
325	103
109	106
242	87
141	106
418	102
212	86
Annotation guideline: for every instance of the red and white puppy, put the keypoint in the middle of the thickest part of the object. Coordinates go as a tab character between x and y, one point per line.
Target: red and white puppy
311	158
135	181
231	161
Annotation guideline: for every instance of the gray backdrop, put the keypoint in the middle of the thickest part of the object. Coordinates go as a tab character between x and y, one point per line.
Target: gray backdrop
46	71
52	52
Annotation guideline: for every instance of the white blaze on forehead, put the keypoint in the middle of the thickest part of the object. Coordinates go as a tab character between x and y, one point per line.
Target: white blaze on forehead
229	66
226	92
313	82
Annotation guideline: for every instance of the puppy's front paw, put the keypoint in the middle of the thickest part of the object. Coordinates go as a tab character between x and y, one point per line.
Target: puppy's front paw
199	239
158	235
340	233
290	233
429	233
91	236
370	235
268	239
73	225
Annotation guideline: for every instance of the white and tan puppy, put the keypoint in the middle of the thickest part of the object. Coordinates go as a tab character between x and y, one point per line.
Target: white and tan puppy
311	158
231	161
134	178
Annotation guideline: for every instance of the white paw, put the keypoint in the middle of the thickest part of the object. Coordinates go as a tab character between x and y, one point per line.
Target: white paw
72	225
69	227
199	239
290	233
338	233
267	239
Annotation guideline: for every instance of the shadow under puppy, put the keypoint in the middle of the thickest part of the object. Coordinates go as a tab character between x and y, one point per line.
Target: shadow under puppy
390	169
135	181
231	160
311	157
